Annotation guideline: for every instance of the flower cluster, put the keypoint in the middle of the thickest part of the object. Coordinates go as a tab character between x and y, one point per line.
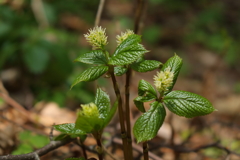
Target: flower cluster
89	110
123	36
163	79
97	37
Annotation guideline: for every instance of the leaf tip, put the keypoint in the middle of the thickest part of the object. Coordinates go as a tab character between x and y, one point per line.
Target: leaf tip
72	86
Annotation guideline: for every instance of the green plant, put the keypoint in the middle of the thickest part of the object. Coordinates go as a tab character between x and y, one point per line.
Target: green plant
29	142
129	54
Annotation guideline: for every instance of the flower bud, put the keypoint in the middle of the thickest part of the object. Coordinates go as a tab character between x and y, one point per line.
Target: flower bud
97	37
163	79
89	110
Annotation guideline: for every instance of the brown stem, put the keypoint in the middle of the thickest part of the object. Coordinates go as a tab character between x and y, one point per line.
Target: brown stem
138	15
128	79
128	121
120	113
145	150
40	152
79	142
39	13
84	151
138	148
98	136
99	12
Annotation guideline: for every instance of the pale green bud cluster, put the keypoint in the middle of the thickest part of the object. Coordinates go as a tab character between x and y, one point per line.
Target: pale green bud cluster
163	79
89	110
123	36
97	37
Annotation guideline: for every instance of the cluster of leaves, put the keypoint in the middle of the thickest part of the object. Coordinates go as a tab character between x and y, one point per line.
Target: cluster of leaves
89	124
182	103
129	52
129	55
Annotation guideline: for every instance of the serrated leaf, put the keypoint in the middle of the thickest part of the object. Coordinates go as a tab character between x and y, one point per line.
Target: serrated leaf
140	59
89	124
69	128
148	124
128	56
102	101
128	51
126	44
92	57
146	98
144	87
118	71
90	74
187	104
111	113
146	65
139	104
175	63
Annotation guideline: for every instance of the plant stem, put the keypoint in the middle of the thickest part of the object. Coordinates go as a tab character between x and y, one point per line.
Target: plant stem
145	150
138	15
120	113
127	85
128	121
83	149
79	142
99	12
97	137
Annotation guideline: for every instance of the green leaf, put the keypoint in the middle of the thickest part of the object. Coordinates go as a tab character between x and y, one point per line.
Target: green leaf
146	98
89	124
146	65
126	44
69	128
33	139
38	141
118	71
144	87
111	114
187	104
62	136
175	63
139	104
92	57
146	93
102	101
90	74
23	149
128	51
148	124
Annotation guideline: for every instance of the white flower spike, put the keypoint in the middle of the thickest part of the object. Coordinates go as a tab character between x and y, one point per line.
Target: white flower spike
97	37
123	36
163	80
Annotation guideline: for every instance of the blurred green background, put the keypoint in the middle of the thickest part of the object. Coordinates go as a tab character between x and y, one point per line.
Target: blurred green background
38	43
